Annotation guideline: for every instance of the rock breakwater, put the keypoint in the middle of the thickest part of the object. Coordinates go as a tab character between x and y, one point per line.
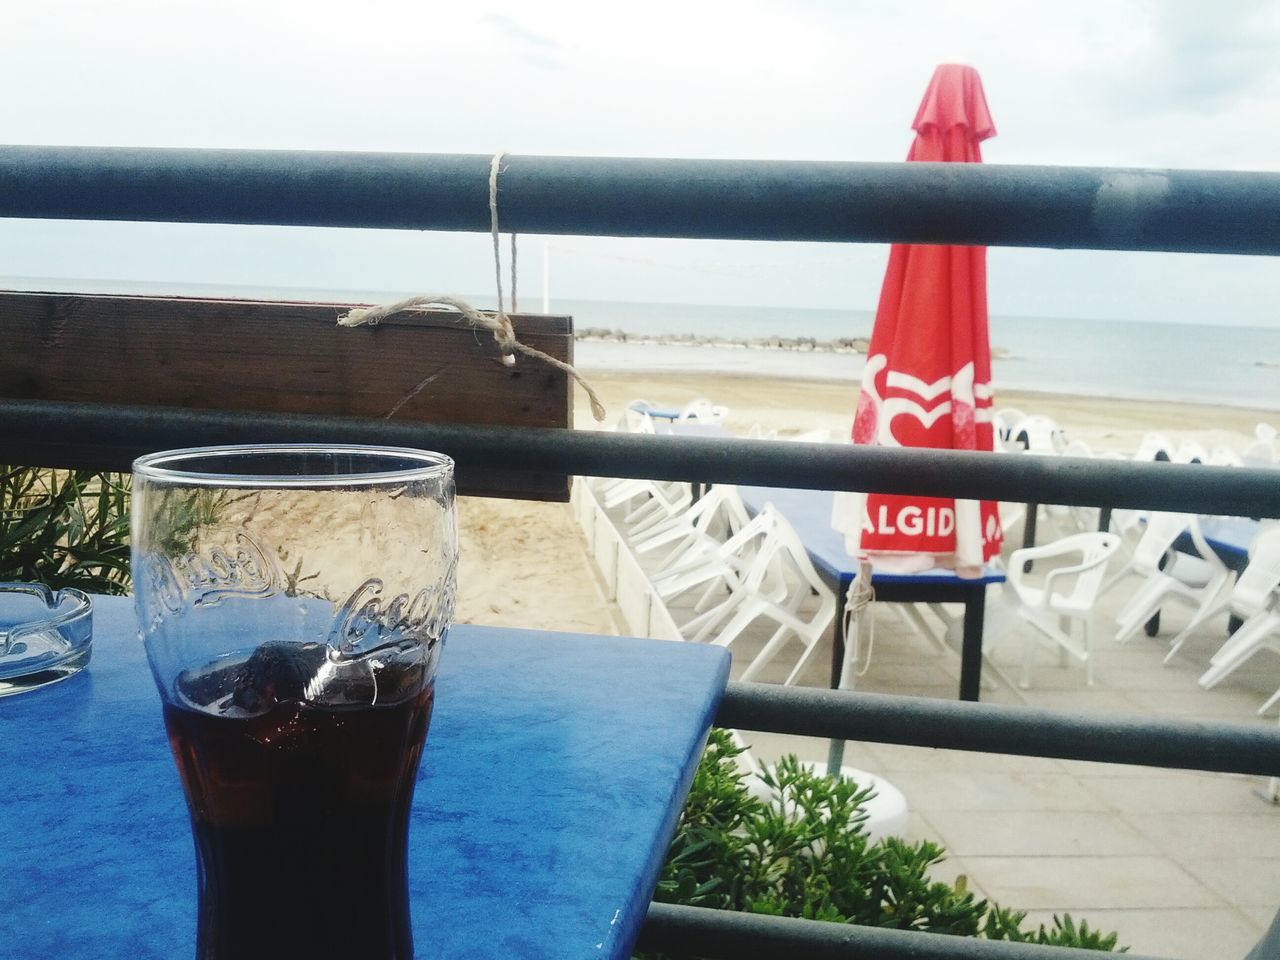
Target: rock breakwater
795	344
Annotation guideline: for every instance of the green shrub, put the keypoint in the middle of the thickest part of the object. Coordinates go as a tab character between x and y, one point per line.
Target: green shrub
65	528
805	853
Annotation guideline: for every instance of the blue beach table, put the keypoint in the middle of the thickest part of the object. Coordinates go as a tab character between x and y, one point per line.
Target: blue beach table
809	513
1229	537
555	770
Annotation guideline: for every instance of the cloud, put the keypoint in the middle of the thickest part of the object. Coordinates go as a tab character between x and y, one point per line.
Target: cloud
1205	55
535	48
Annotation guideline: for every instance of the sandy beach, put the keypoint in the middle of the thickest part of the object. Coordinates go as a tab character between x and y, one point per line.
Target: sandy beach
523	563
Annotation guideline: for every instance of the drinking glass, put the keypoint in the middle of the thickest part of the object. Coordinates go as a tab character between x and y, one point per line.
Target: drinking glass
294	600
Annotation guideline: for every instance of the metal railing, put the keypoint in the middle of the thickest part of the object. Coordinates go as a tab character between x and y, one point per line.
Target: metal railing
1210	212
1022	206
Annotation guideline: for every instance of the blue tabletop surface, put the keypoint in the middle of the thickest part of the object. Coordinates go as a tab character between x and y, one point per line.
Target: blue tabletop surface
809	513
554	771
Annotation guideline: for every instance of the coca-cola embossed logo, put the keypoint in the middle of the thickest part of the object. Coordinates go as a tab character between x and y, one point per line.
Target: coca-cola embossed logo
369	618
203	578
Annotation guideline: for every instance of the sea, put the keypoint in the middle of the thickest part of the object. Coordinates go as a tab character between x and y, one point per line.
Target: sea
1235	366
1200	363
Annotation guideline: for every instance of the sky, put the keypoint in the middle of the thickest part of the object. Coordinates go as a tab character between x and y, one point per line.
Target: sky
1125	83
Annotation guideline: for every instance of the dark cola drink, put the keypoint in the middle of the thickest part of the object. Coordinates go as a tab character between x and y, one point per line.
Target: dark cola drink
300	804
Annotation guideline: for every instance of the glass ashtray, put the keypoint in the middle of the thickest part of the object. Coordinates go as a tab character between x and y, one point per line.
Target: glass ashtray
44	636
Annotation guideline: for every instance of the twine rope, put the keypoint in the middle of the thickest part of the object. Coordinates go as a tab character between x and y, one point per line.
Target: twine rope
495	167
858	603
499	324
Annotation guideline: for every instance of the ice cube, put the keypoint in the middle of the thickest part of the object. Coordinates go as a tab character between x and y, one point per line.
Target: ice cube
387	676
276	673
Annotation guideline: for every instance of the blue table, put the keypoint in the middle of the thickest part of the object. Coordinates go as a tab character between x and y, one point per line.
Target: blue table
554	772
657	413
809	513
1229	537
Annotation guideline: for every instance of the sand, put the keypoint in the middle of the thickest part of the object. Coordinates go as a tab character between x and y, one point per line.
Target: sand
524	564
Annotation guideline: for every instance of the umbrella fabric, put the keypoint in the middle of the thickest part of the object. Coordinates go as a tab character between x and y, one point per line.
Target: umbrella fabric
927	381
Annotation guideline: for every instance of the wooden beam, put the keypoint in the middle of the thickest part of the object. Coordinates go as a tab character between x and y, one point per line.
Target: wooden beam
290	358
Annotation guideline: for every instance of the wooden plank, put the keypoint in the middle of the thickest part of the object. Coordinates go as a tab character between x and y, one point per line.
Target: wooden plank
291	358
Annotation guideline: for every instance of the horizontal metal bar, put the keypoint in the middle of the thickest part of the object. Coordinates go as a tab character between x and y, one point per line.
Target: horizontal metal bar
1023	206
698	932
55	433
998	728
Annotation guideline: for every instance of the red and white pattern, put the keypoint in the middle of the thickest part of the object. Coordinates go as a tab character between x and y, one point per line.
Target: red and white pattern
927	381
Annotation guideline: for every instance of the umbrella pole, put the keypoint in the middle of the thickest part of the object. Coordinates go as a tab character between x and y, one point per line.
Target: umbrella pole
851	605
839	671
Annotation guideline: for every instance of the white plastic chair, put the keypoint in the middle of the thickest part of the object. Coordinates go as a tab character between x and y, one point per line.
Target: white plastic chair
1197	581
636	419
1224	456
666	500
718	573
1004	420
781	551
1266	451
1256	601
1074	519
1039	434
698	530
702	410
1066	594
1190	452
1154	446
820	435
1130	525
658	501
1266	444
1248	595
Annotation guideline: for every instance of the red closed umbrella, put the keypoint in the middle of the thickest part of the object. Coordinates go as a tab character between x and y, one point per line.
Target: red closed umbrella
927	381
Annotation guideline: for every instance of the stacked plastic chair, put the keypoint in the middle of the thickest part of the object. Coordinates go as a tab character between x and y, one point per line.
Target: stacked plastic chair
1256	600
1198	581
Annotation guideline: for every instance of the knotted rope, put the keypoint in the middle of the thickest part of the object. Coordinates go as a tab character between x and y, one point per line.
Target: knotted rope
497	323
857	605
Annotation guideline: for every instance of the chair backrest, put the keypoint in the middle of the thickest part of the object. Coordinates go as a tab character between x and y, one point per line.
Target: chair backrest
734	554
820	435
1256	589
1224	456
1040	434
722	512
703	411
636	418
1266	446
1154	446
1162	530
1077	448
782	554
1005	419
1190	452
1264	450
1079	590
1206	552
